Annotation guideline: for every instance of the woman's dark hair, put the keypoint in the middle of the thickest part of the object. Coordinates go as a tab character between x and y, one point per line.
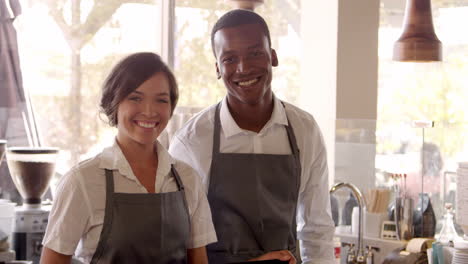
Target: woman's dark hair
127	75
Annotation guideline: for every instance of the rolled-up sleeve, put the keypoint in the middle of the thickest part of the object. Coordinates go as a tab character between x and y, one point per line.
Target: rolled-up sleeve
68	217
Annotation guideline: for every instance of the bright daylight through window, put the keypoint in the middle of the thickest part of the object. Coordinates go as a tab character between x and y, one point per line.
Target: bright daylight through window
67	48
435	91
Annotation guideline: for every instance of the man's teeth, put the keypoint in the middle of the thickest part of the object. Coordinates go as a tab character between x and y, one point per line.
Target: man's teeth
146	125
247	83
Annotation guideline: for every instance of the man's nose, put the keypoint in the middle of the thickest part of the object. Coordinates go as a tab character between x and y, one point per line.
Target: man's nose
242	66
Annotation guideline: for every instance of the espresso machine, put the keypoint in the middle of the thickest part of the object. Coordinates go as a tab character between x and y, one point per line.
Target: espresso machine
31	170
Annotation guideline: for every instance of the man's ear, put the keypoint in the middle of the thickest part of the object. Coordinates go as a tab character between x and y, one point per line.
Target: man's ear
218	74
274	58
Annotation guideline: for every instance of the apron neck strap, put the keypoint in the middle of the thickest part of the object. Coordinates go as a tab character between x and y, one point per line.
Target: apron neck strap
217	129
180	185
291	135
217	134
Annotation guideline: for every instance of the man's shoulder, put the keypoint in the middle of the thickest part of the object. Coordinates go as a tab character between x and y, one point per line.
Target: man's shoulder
198	125
300	116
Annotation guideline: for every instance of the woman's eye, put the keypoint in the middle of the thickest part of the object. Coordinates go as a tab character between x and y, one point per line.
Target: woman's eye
165	101
135	98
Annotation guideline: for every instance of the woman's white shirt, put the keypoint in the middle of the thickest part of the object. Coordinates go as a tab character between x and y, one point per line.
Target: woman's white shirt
77	215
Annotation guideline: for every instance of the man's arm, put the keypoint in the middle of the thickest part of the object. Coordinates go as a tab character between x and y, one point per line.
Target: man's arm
315	224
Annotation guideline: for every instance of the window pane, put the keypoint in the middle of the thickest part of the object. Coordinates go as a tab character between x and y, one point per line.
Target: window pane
424	91
63	69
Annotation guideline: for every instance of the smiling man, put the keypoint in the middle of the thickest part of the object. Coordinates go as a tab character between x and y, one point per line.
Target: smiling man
262	160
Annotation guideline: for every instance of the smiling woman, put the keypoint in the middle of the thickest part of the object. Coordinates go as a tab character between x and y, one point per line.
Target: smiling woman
135	182
144	113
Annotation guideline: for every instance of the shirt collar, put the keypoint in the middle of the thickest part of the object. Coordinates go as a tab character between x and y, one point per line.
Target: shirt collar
112	158
230	127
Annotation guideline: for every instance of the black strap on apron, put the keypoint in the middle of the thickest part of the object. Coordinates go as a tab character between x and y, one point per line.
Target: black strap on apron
253	200
144	227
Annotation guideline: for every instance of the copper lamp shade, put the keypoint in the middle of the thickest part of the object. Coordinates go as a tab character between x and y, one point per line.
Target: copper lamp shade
245	4
418	42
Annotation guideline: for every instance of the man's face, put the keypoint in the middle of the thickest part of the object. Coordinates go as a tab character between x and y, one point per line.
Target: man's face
244	61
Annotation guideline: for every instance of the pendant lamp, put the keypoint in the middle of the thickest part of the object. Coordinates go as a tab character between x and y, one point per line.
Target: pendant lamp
418	42
245	4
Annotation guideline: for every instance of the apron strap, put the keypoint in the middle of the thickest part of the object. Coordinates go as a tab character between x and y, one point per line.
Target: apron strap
108	215
216	133
289	130
109	190
181	187
294	148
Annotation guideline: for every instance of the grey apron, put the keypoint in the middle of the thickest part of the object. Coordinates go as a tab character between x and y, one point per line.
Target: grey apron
144	227
253	200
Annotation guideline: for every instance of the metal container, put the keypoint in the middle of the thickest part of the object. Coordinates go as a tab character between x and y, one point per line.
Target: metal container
404	218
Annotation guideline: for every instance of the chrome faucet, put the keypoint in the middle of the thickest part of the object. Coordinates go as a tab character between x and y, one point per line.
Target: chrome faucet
356	255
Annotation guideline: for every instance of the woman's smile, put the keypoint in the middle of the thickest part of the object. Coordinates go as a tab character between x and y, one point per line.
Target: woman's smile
147	124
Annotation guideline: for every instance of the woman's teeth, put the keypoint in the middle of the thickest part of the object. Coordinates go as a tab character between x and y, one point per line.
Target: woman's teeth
247	83
146	125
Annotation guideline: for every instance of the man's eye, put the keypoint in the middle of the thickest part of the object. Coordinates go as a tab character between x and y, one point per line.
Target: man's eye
256	53
164	101
228	60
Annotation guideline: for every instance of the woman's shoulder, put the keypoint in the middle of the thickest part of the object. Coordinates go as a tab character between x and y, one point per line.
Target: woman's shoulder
85	173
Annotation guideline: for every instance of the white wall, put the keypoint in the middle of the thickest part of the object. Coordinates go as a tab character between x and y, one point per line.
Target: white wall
339	72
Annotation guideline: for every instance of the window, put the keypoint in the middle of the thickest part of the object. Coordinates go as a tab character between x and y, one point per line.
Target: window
63	69
424	91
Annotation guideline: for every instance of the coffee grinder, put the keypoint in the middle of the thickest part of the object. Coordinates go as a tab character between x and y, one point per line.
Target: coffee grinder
2	149
31	170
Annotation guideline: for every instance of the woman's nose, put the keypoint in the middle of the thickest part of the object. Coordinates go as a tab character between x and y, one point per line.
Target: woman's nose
149	109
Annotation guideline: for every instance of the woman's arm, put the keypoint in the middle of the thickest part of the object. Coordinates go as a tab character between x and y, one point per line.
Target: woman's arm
52	257
197	256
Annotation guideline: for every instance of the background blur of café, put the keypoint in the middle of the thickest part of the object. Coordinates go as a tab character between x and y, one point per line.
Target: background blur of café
335	61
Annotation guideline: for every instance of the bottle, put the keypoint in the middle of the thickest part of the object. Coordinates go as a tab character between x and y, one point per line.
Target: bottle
348	210
448	234
424	219
337	250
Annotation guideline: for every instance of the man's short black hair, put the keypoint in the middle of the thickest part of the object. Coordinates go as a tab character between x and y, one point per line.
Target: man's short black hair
239	17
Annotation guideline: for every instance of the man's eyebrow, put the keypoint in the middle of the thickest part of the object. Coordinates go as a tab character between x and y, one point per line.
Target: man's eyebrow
255	46
229	52
226	52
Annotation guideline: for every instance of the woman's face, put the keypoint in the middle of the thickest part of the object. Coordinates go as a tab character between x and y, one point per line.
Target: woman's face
144	113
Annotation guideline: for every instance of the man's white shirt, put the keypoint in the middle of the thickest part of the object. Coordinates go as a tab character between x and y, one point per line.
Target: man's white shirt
193	144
